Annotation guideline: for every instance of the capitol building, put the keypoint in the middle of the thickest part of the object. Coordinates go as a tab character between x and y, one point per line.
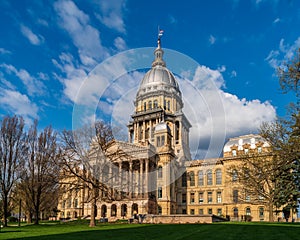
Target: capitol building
159	178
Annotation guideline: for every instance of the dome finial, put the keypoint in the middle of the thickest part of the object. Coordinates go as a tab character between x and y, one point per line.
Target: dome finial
158	51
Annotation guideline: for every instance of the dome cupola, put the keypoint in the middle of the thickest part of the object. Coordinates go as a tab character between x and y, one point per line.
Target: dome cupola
158	78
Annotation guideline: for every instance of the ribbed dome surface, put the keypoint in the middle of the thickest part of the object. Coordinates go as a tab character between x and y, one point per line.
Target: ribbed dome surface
158	78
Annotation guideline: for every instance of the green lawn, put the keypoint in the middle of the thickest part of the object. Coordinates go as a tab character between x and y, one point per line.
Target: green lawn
215	231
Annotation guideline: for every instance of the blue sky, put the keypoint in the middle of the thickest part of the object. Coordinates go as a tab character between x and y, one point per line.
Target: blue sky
48	48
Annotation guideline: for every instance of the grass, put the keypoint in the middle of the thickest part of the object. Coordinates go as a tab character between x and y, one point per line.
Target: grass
74	230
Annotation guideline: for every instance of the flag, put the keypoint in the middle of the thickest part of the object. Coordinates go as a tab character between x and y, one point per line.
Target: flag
160	33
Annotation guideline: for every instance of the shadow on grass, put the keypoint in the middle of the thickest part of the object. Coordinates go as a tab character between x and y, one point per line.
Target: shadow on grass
180	231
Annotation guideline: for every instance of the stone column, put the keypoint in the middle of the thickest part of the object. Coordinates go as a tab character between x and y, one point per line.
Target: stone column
144	131
120	179
146	176
141	179
130	183
110	179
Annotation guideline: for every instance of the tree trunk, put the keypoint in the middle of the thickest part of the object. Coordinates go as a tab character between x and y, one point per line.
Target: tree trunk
29	217
37	210
5	210
93	208
271	217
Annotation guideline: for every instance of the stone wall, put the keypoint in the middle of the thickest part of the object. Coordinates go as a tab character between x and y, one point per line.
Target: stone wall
182	218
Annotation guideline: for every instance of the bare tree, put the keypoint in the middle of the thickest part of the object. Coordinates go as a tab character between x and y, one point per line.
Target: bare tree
39	177
12	148
88	155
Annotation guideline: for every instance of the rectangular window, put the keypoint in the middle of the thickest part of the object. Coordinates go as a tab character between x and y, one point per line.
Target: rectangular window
192	211
210	211
209	177
219	197
209	197
159	172
219	211
183	198
162	140
234	153
235	196
158	141
192	179
259	149
183	180
192	195
201	200
201	211
219	177
159	192
261	213
76	203
69	203
200	178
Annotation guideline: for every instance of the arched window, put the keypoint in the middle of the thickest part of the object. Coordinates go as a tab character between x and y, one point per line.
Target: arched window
103	211
123	210
113	210
150	105
234	175
219	177
155	104
248	211
236	212
159	172
135	208
144	106
209	177
192	178
234	153
200	178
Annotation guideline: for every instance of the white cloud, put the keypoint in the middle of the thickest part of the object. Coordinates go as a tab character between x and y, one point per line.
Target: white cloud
284	53
4	51
32	84
120	44
216	114
33	38
206	78
277	20
18	104
85	37
233	74
111	14
212	40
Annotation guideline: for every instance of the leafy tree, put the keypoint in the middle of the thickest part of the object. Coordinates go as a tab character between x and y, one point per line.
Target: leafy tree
12	149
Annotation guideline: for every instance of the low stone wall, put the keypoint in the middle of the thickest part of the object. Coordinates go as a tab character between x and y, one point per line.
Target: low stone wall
182	218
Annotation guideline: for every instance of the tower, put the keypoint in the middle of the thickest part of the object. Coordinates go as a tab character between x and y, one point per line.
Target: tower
158	120
159	100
